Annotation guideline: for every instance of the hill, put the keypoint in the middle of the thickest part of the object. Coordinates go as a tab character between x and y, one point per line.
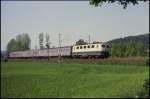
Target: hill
138	38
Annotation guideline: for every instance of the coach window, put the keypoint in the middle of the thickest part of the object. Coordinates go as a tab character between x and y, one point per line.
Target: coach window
80	47
77	47
88	46
92	46
84	47
97	45
103	46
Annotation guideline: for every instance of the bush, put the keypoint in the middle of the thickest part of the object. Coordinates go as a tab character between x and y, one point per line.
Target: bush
147	62
146	85
145	92
5	59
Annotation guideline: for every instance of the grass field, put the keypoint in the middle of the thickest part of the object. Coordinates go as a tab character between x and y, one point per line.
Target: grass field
47	79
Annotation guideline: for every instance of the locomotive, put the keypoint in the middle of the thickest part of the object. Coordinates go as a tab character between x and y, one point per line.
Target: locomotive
99	50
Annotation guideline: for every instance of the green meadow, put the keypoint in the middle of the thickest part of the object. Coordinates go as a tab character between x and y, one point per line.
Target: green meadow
71	79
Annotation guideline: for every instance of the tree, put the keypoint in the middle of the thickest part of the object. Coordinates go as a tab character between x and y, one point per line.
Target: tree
41	39
117	49
21	43
140	49
113	50
11	46
131	48
124	3
26	41
80	42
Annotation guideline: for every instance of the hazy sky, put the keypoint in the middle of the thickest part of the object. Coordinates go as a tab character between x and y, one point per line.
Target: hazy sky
73	19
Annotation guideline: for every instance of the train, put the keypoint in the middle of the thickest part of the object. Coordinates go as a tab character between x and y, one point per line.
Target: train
98	50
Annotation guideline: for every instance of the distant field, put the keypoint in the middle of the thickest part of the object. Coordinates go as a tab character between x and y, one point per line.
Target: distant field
49	79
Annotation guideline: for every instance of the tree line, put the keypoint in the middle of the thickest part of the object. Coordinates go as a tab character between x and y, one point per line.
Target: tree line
22	42
127	49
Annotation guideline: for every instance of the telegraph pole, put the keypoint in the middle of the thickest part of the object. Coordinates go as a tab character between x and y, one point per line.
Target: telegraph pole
48	49
89	39
59	46
47	44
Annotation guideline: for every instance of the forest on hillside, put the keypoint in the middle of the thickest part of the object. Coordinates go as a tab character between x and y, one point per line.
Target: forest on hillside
144	39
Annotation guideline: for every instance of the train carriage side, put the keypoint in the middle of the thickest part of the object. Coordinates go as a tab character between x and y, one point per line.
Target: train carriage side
21	54
53	52
66	51
63	51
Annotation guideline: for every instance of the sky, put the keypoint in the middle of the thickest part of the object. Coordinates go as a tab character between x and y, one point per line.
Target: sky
73	19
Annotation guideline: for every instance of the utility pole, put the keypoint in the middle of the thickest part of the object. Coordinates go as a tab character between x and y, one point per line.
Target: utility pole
59	46
89	39
47	44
